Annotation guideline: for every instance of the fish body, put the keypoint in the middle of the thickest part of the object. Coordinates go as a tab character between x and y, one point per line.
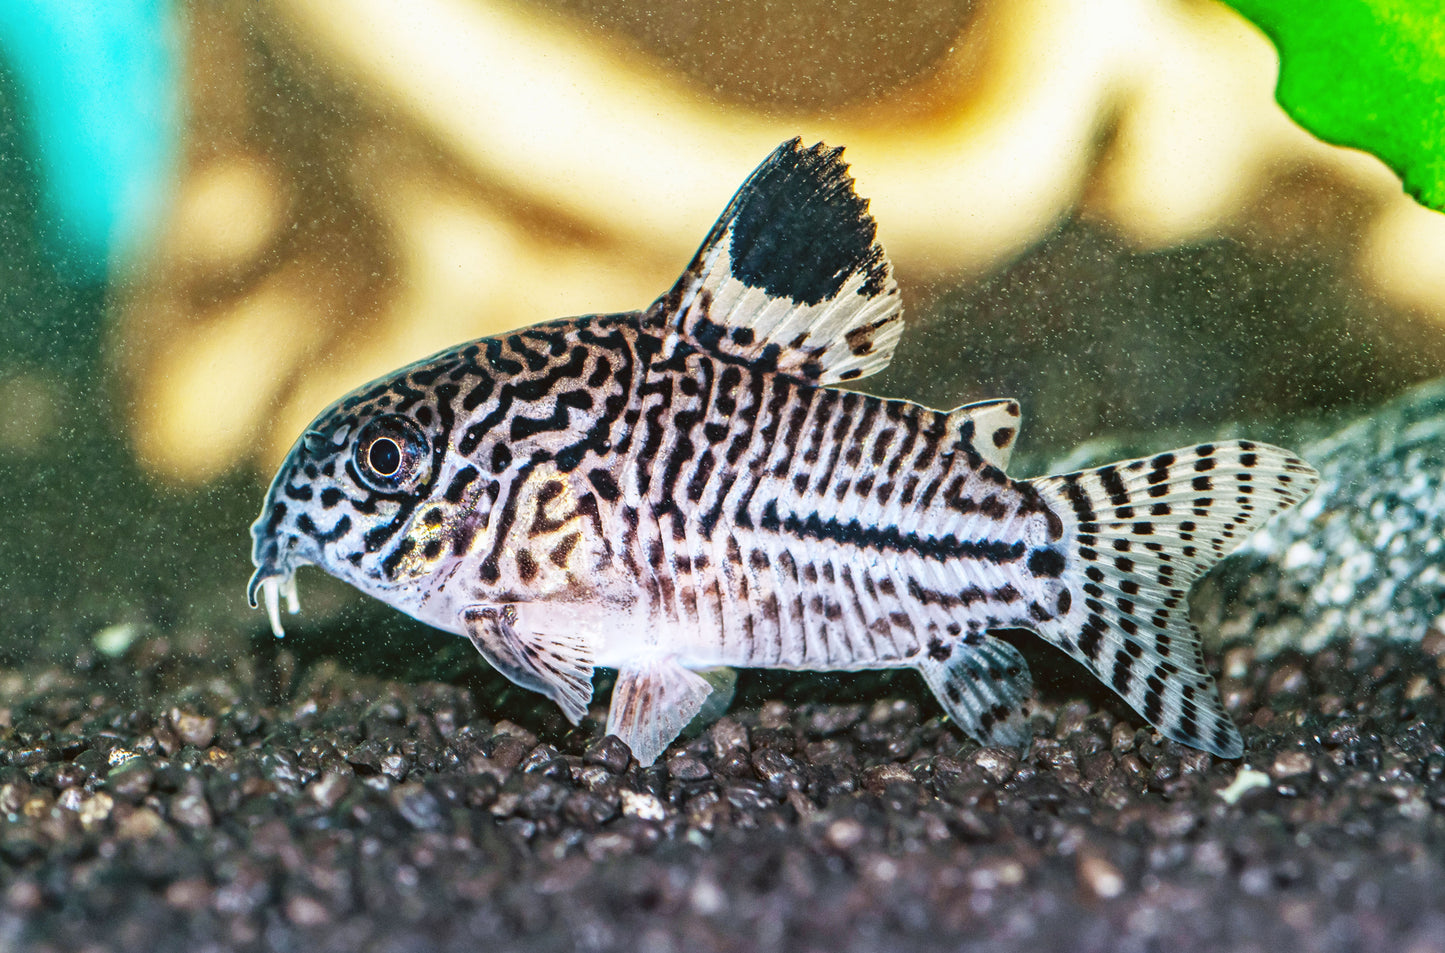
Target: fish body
687	487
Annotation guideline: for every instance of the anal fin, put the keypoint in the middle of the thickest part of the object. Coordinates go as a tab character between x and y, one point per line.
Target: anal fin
985	688
558	666
651	705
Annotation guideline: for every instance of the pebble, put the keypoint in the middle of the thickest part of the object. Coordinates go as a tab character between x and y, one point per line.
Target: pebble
595	776
642	806
418	806
829	720
95	809
773	714
61	775
610	753
728	736
685	768
590	810
189	808
305	911
1290	763
191	894
877	778
13	794
538	758
393	766
749	797
328	790
998	763
508	753
1098	877
844	834
195	730
24	896
1290	678
140	824
778	771
995	872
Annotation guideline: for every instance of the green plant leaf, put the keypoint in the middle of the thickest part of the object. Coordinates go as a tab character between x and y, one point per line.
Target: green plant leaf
1368	74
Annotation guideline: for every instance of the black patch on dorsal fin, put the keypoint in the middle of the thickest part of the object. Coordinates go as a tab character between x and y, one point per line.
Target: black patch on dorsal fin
798	228
791	278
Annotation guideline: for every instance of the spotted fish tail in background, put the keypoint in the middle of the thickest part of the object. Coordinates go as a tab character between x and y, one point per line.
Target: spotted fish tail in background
671	491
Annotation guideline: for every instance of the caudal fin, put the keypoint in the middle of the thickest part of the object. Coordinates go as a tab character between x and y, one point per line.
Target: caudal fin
1142	531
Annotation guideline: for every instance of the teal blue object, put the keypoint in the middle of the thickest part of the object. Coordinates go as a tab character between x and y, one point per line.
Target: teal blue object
99	93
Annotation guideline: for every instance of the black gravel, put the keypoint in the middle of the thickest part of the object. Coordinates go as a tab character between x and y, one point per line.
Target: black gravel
163	802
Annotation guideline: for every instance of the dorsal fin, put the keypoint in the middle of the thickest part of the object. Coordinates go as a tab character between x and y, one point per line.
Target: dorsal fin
995	428
792	276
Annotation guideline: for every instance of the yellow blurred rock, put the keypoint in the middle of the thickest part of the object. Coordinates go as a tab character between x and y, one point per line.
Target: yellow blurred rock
204	403
227	214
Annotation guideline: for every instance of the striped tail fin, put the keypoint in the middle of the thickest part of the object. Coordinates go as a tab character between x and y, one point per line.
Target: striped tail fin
1142	531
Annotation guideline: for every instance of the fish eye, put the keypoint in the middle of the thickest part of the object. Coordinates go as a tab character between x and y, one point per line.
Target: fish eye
391	453
384	457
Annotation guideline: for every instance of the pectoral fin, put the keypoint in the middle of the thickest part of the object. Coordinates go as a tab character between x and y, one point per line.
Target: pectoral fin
651	705
558	666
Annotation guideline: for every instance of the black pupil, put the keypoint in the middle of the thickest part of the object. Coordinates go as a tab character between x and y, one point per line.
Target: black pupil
384	456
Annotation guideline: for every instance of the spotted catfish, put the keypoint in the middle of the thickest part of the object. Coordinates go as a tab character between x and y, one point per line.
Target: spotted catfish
669	491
